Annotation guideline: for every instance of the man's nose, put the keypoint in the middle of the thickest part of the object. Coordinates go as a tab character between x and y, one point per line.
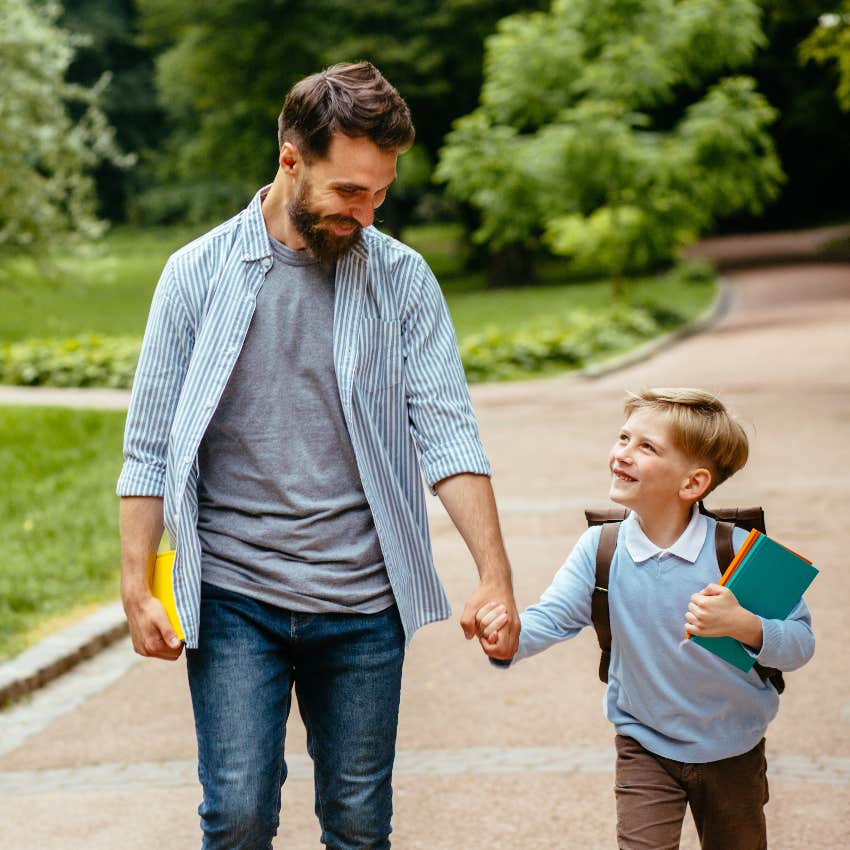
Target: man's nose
363	215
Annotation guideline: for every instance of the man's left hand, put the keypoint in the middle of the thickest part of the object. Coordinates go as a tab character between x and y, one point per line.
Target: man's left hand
506	641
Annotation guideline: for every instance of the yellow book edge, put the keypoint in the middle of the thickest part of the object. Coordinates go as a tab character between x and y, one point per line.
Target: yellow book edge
162	587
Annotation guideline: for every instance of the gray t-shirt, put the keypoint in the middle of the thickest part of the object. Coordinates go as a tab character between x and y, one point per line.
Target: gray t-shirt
282	516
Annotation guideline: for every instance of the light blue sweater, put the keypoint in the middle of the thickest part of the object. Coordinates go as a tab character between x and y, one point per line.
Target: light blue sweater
672	696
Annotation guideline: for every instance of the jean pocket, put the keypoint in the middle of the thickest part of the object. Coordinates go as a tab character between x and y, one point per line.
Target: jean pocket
379	354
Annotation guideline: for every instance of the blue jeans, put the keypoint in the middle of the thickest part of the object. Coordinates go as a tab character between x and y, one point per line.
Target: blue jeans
346	669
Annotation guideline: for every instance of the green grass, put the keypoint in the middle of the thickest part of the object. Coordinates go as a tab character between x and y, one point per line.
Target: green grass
109	292
105	291
476	308
58	514
508	309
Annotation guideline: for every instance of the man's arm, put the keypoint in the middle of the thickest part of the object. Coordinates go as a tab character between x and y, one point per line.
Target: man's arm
469	501
141	530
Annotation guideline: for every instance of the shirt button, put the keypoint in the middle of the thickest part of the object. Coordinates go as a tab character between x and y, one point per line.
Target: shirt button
187	459
266	262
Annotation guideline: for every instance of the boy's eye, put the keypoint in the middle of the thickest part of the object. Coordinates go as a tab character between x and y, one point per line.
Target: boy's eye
648	446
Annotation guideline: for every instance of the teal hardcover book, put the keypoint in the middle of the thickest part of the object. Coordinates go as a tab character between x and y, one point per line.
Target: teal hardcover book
770	581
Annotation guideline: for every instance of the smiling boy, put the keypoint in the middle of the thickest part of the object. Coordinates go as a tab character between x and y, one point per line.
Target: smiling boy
690	727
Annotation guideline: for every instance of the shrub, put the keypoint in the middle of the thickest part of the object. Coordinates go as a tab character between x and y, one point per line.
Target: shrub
84	361
567	342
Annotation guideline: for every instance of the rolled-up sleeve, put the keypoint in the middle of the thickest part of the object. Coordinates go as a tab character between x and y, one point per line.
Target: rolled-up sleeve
439	408
163	361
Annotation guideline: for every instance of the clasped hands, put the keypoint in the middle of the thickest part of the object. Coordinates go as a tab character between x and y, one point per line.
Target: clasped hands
495	624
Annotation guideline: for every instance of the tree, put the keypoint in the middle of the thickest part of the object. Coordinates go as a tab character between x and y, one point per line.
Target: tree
111	45
811	134
830	43
46	155
607	130
222	76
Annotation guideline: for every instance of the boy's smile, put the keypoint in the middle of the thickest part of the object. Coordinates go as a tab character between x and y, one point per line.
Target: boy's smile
648	470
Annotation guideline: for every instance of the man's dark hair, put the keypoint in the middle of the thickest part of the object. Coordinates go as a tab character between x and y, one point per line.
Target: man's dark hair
352	99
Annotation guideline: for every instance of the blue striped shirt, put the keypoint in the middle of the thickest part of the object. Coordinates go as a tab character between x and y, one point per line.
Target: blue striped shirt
401	384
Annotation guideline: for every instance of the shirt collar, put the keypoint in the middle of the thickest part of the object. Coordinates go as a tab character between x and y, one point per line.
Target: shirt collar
255	238
687	547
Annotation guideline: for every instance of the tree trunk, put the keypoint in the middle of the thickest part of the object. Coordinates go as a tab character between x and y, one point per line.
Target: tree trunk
511	266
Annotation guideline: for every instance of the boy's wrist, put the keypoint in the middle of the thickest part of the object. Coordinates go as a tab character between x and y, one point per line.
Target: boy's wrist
749	630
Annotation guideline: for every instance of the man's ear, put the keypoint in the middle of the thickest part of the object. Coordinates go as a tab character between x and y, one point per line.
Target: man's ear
290	158
695	486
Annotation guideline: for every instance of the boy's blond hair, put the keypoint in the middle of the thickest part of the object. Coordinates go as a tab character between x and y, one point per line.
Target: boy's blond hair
701	426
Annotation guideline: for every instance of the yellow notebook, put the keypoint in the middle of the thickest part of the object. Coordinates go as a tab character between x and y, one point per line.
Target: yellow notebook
162	588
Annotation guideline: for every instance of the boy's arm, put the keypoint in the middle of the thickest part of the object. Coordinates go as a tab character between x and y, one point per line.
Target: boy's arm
564	608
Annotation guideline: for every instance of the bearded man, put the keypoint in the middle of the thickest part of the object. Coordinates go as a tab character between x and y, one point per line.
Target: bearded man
298	377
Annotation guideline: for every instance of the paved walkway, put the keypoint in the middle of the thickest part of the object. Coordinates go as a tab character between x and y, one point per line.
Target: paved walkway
102	758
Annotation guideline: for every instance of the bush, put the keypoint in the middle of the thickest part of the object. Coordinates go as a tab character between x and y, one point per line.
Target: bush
569	342
85	361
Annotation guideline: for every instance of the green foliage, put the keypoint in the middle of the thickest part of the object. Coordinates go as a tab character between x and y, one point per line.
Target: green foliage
88	361
830	43
567	342
222	76
108	43
571	341
581	138
53	134
58	515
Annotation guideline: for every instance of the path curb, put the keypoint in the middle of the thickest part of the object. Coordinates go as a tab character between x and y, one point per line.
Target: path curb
59	652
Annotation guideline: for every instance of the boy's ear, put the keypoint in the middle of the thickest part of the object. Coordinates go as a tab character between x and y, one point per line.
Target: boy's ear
695	486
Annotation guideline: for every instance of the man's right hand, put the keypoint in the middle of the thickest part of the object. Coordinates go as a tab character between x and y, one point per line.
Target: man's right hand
141	530
150	630
495	640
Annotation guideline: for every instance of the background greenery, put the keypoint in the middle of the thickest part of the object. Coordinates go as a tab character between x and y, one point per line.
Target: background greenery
60	529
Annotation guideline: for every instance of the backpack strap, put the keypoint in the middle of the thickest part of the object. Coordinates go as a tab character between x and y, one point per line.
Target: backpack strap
599	613
723	544
725	553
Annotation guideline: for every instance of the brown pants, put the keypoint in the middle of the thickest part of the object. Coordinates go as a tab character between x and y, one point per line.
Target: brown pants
726	797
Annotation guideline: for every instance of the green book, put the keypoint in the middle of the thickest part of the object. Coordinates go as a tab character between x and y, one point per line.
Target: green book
769	581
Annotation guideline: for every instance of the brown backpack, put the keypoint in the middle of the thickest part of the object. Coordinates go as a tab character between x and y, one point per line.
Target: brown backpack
610	519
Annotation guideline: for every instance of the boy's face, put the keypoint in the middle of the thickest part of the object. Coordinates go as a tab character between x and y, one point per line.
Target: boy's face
649	473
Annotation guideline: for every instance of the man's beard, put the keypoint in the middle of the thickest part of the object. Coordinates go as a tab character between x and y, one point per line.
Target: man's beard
327	247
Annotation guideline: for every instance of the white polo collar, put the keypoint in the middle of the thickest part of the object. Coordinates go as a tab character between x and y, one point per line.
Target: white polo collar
687	547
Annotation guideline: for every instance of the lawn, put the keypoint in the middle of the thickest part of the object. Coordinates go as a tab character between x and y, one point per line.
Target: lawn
59	516
109	291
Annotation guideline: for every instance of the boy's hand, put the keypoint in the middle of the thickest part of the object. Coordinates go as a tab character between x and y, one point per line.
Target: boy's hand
489	618
715	612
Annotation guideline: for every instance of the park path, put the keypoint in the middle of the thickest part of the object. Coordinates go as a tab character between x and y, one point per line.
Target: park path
103	758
